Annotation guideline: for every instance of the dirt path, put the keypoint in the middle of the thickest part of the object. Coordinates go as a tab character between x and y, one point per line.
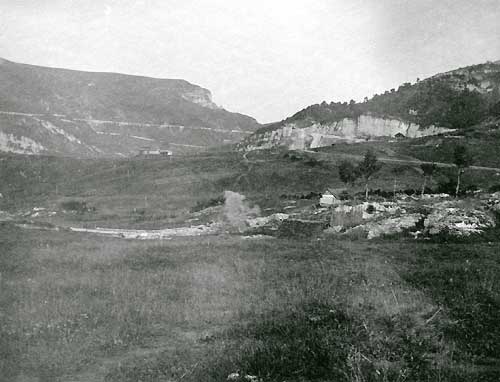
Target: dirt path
402	161
411	161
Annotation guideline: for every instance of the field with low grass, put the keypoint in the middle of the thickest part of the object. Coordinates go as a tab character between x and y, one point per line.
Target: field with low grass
85	308
82	308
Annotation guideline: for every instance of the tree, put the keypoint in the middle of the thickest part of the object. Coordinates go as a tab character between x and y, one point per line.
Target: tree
428	170
368	167
462	159
348	173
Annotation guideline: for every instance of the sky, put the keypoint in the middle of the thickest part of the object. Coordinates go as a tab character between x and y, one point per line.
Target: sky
264	58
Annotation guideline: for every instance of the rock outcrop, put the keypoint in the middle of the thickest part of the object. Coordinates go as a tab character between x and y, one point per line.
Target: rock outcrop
201	97
456	220
391	226
295	137
449	217
453	101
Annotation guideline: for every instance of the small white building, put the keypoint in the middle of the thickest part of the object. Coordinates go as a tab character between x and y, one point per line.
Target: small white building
330	197
327	199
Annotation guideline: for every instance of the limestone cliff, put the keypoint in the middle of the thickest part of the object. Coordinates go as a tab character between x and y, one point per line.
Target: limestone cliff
367	126
459	100
201	97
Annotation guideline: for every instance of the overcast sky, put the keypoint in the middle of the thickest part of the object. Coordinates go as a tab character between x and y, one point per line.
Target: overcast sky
264	58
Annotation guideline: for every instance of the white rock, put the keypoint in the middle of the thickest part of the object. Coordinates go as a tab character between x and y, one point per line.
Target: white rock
233	376
457	221
251	378
392	225
265	220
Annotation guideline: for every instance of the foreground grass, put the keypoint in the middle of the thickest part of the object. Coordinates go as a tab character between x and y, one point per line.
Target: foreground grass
85	308
463	278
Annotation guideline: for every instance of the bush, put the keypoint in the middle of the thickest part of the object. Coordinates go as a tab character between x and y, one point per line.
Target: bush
312	162
494	188
77	206
370	209
447	186
202	204
344	195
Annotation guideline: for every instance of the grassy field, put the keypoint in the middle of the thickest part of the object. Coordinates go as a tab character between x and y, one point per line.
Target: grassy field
84	308
154	193
79	307
482	146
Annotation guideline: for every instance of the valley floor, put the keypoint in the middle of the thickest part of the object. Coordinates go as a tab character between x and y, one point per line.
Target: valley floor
80	307
88	308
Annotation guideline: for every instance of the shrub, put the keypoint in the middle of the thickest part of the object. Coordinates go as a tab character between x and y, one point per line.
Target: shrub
202	204
370	209
494	188
77	206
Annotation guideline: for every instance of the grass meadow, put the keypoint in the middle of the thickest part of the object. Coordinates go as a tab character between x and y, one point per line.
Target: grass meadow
84	308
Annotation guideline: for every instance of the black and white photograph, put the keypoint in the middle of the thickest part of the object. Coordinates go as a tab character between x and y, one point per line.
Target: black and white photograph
249	191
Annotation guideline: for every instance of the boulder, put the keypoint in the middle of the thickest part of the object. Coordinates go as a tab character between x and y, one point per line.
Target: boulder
457	220
273	220
393	225
233	377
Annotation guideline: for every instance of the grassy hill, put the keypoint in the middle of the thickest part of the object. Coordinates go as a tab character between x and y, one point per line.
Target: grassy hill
457	99
67	112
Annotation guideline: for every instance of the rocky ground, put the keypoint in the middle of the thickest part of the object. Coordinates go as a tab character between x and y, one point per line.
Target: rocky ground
419	217
422	217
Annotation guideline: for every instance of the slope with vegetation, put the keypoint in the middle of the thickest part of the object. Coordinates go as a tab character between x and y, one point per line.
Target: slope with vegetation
456	100
68	112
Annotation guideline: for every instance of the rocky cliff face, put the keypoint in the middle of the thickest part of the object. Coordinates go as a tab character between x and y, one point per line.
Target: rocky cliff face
294	137
459	100
201	97
482	78
67	112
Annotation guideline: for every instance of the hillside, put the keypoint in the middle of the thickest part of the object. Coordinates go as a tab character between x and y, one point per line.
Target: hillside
451	101
67	112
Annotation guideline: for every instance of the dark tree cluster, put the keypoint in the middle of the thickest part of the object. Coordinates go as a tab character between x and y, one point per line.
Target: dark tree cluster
350	173
329	112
